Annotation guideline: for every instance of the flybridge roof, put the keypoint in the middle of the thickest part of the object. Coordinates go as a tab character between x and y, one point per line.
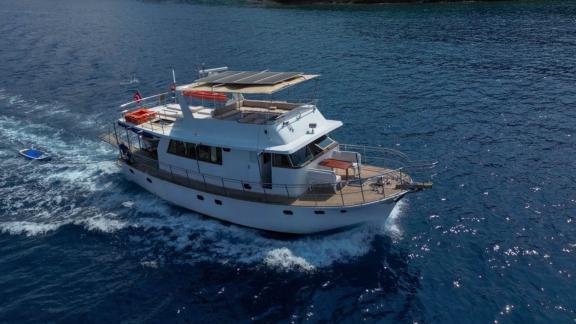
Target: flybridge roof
264	82
248	77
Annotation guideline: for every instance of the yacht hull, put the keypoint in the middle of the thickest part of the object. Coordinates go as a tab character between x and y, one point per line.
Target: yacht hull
264	216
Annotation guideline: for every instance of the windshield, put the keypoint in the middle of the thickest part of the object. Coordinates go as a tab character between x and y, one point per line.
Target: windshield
301	156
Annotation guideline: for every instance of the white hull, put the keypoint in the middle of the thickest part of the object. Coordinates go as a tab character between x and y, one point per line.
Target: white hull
270	217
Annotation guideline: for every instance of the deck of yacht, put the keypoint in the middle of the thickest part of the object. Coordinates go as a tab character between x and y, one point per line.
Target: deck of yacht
247	112
377	184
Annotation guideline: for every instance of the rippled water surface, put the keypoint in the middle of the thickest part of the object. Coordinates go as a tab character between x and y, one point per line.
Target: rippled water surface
488	90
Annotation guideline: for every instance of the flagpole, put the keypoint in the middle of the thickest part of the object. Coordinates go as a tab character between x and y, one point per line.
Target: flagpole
174	85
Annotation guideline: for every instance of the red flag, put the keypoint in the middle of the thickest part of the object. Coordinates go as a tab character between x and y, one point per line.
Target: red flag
137	96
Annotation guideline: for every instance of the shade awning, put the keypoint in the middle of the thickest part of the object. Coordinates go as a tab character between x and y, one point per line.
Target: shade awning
248	82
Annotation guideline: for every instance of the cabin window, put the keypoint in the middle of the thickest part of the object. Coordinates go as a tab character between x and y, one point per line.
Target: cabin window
209	154
281	161
177	148
191	151
301	157
304	155
183	149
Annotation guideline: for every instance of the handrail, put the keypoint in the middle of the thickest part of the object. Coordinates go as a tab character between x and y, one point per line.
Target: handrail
409	164
140	101
390	155
367	189
240	181
304	106
384	179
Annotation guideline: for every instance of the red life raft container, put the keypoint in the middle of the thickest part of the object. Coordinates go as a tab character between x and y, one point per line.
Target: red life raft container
140	116
208	95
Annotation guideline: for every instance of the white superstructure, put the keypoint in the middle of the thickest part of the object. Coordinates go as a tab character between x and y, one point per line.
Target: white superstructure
262	163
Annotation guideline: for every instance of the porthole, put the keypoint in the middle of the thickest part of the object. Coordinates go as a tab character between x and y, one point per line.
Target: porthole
225	149
148	179
343	211
217	202
247	186
319	212
288	212
200	197
131	171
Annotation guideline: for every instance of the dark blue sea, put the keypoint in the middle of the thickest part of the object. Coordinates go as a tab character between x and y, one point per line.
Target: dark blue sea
486	89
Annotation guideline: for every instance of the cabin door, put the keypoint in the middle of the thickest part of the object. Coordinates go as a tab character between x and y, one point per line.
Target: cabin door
266	170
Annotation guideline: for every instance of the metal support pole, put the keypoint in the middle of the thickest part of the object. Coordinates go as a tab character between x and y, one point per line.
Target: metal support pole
205	185
223	186
128	140
358	164
117	140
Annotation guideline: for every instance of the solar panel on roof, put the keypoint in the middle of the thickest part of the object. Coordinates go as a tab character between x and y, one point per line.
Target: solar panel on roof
278	77
254	77
232	78
245	77
221	75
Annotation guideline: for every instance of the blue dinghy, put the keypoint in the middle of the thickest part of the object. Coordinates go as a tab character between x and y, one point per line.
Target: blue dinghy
34	154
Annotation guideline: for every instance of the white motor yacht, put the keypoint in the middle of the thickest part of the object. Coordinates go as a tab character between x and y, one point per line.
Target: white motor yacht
216	147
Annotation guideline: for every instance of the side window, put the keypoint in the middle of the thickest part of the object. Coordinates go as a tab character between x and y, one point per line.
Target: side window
209	154
183	149
177	148
301	157
281	161
191	151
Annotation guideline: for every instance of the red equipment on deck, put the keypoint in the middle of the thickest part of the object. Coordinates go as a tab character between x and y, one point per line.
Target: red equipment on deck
208	95
140	116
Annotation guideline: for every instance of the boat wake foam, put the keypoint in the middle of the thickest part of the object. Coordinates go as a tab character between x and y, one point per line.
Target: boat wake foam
188	238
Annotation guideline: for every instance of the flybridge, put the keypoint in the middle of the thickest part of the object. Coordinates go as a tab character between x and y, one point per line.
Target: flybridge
248	82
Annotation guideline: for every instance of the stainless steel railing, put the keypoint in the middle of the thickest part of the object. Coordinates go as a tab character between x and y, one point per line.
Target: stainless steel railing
162	99
380	185
391	158
157	99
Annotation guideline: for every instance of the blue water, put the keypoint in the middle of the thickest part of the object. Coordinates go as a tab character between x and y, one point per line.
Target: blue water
486	89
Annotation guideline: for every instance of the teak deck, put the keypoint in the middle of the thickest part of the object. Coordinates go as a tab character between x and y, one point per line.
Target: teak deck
370	185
